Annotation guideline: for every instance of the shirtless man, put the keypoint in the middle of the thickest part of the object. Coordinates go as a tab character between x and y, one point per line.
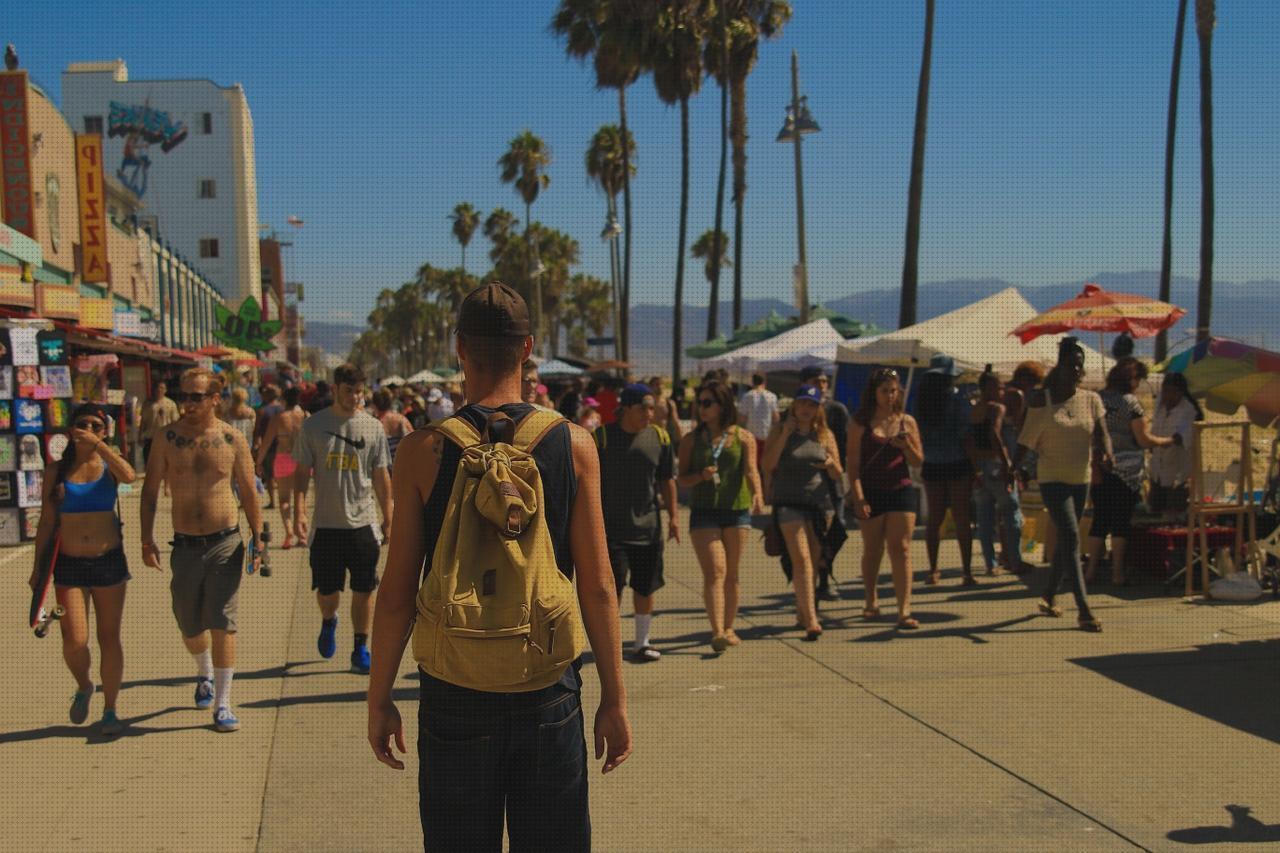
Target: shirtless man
199	456
283	430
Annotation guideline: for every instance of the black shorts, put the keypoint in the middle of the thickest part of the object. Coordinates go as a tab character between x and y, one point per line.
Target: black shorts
103	570
946	472
335	551
642	562
1113	506
898	500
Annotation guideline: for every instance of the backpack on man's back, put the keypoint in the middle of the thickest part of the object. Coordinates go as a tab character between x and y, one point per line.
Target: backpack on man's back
495	612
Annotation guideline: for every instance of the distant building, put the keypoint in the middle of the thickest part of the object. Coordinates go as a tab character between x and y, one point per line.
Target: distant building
185	149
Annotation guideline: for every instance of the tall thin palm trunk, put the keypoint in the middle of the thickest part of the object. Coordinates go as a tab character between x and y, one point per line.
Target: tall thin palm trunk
1166	249
464	257
738	130
615	280
915	191
678	318
624	313
713	311
1204	30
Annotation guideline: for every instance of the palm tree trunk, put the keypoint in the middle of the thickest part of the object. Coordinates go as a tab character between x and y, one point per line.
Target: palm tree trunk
1204	307
1166	249
713	311
464	257
678	319
915	191
615	280
625	311
536	289
738	132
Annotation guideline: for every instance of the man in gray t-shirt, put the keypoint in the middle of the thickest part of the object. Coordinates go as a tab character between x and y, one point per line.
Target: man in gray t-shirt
346	449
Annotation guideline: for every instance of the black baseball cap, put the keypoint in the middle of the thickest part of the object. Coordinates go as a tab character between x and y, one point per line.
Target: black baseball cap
494	311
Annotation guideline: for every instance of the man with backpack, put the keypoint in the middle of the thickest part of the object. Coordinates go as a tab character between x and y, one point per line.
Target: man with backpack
499	506
636	456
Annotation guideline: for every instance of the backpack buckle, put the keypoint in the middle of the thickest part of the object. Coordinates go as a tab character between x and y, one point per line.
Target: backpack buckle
514	527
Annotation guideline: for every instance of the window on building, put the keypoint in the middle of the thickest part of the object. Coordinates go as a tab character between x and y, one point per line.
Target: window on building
208	248
93	124
206	123
208	188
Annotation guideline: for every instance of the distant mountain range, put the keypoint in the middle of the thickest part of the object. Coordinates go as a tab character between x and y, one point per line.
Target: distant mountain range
1247	311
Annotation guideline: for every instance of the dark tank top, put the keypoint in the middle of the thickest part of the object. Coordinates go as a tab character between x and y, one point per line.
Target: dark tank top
883	466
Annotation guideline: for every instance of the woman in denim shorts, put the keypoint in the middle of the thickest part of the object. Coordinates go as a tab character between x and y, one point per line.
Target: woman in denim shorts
80	510
717	460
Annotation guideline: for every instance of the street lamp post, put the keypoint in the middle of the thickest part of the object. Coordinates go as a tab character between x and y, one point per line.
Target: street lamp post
798	123
612	231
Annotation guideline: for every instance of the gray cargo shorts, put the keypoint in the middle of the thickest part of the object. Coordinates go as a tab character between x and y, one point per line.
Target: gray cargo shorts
206	579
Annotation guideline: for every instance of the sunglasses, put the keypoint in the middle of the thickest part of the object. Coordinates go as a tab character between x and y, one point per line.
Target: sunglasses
193	396
95	426
706	402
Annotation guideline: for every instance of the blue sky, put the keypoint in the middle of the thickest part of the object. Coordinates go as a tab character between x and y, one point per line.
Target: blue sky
1044	159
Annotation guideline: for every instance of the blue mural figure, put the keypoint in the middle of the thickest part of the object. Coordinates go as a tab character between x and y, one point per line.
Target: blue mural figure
142	127
135	159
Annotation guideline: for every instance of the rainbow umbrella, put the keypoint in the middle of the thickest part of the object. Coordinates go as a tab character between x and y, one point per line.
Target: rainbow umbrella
1228	374
1098	310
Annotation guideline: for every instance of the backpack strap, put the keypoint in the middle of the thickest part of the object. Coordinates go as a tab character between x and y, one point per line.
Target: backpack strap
664	437
458	430
534	428
601	437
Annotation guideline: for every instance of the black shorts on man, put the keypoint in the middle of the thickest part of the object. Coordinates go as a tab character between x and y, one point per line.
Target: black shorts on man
335	552
643	564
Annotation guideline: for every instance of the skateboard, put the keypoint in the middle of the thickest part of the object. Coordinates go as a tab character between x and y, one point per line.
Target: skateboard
265	568
40	616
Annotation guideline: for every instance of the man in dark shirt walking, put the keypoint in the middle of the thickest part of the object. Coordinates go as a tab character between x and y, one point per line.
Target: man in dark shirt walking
637	460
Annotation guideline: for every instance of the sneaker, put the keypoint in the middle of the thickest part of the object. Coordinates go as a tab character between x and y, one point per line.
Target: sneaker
110	724
360	660
225	721
645	654
204	693
327	642
80	706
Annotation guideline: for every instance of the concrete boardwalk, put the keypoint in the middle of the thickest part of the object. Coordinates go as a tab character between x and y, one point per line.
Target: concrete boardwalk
990	729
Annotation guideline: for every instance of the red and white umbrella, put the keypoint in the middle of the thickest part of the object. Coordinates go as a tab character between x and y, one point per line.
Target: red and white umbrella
1098	310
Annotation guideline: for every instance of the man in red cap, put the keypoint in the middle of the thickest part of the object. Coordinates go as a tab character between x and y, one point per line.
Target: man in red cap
487	756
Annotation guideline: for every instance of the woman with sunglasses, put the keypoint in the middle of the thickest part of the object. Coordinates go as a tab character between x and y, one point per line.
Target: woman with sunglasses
79	515
717	460
800	458
884	442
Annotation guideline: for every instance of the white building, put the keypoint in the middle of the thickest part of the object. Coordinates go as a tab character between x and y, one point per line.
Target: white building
185	147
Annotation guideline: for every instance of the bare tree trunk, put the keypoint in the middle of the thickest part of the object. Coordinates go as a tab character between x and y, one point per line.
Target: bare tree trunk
625	311
1166	249
915	191
713	311
678	319
738	130
1204	29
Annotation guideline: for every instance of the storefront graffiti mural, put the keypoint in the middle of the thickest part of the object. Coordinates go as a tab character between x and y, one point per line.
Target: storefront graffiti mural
142	127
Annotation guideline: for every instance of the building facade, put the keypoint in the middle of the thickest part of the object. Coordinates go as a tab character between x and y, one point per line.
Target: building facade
185	149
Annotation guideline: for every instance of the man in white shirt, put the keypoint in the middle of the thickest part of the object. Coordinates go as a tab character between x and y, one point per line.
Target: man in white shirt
758	412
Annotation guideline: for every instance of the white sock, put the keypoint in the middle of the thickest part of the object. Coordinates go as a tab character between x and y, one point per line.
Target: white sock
204	664
642	629
222	686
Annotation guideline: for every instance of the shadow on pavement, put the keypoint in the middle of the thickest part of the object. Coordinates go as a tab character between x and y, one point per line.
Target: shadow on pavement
89	732
400	694
1244	828
282	671
1221	681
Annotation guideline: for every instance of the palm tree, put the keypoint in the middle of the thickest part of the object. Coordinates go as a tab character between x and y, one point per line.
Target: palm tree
717	62
465	220
498	227
524	166
589	300
677	75
617	35
749	22
606	164
915	191
1206	20
1166	250
705	249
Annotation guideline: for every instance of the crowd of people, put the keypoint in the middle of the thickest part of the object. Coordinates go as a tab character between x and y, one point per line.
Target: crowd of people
384	473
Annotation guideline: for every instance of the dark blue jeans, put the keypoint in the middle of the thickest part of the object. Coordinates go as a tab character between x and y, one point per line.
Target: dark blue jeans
1065	504
485	755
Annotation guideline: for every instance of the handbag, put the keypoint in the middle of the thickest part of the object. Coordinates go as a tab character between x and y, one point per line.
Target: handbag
774	545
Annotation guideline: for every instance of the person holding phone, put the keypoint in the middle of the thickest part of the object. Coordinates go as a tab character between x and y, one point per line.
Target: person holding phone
884	442
800	457
717	460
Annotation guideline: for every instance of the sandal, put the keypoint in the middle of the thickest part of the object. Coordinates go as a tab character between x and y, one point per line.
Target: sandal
732	637
1091	626
871	613
1047	609
719	643
933	579
812	635
907	623
969	580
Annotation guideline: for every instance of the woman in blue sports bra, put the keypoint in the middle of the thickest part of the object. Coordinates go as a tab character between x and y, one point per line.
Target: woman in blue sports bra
80	510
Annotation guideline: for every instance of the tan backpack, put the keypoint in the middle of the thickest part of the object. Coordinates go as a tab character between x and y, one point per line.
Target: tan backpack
495	612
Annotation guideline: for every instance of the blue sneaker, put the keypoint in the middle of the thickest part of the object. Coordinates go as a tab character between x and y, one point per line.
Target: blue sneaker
360	660
327	642
80	706
225	721
110	725
204	693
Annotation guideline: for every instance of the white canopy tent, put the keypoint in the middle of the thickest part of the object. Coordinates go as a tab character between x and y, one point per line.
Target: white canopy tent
975	336
802	345
426	377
